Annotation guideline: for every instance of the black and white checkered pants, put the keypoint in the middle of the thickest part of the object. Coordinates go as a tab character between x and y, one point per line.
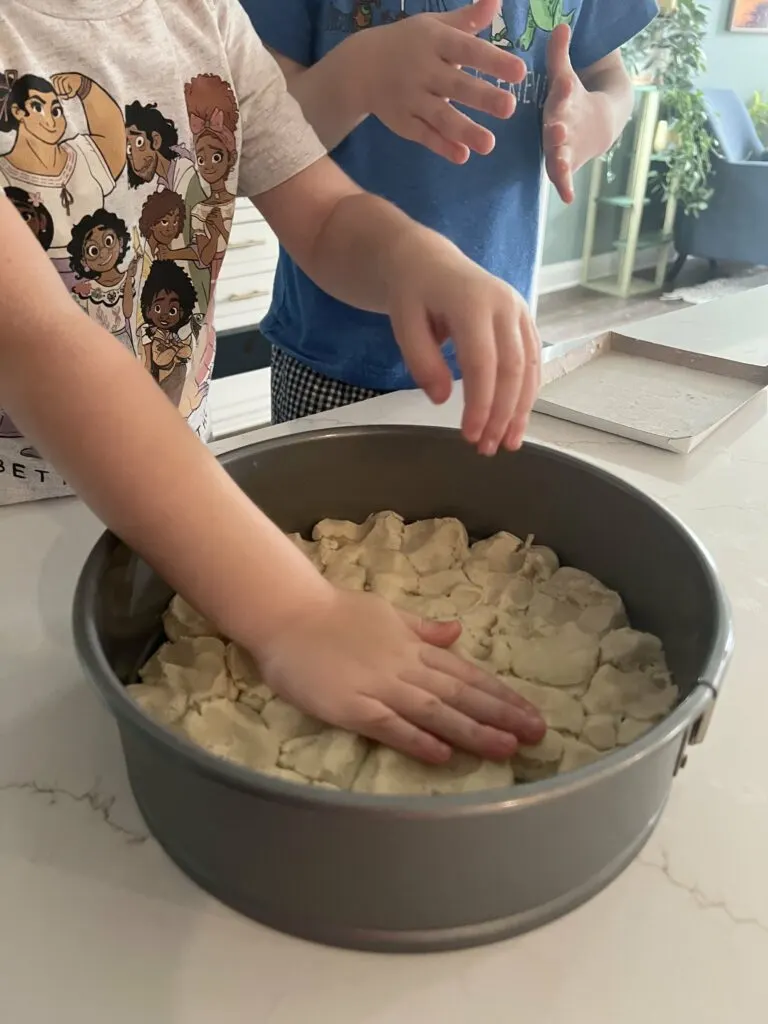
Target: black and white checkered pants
298	390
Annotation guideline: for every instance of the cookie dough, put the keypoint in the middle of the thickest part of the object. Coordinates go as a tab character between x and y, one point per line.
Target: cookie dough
554	634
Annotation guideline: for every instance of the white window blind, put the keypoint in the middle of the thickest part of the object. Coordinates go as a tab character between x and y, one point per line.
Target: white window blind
244	288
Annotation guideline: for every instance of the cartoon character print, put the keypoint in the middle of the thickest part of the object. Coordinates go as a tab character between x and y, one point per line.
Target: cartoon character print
213	118
170	259
161	233
34	214
69	176
98	246
168	305
153	150
40	223
156	157
499	30
161	223
542	16
351	15
362	13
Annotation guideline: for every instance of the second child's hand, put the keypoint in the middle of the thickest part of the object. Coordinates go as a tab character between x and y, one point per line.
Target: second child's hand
413	71
577	125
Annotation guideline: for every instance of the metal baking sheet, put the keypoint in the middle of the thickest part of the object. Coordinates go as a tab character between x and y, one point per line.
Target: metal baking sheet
656	394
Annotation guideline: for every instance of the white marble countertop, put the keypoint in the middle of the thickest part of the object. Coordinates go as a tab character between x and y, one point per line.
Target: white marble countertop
98	927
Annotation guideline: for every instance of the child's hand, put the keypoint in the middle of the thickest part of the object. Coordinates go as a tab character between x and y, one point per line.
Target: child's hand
411	72
577	123
357	662
437	294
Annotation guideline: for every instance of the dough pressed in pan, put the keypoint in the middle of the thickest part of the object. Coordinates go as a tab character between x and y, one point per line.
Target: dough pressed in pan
554	634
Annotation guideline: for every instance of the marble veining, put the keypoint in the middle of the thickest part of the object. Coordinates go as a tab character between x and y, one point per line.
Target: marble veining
99	803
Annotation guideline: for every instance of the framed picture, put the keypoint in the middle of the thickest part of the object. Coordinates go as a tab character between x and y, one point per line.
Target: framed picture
748	16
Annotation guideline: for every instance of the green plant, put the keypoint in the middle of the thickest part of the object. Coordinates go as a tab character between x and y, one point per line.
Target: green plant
670	53
758	110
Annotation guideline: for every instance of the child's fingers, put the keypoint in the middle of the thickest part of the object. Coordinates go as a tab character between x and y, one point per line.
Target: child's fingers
483	697
558	52
421	352
438	634
475	93
509	379
379	722
467	51
418	130
420	704
531	383
476	350
455	126
554	134
559	169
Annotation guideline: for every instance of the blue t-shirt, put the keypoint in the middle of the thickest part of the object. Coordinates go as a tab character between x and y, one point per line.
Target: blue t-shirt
489	207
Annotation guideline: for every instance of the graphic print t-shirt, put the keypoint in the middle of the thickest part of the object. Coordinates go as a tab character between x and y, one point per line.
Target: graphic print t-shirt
127	129
489	207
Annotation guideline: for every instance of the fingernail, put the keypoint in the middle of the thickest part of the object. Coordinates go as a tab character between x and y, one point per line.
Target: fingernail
439	752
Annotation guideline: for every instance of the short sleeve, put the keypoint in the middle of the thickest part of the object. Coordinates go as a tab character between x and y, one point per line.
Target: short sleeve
287	26
602	26
277	141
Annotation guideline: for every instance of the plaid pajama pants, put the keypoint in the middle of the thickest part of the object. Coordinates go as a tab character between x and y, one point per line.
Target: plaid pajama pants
298	390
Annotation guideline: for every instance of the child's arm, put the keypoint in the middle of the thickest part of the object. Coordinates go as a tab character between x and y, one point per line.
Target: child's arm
585	112
364	251
402	73
348	658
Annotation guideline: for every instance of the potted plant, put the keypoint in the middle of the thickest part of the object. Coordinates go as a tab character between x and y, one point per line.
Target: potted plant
669	54
758	110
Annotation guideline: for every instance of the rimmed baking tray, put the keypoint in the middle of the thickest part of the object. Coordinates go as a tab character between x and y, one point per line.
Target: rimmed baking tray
667	397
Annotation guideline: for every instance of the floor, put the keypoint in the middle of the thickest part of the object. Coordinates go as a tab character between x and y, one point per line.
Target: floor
579	313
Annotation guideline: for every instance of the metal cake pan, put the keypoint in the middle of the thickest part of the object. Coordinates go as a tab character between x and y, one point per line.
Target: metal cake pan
409	873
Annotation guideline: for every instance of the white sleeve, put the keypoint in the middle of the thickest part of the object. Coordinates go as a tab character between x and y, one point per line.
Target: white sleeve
89	152
277	141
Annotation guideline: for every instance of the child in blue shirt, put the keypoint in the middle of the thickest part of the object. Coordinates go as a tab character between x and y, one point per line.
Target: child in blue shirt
553	65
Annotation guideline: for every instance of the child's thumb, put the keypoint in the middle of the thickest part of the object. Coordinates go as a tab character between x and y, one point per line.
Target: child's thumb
439	634
422	354
474	17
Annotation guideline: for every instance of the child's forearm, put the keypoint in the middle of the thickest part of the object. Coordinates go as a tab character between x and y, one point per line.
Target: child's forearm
358	254
609	82
348	242
331	93
97	414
